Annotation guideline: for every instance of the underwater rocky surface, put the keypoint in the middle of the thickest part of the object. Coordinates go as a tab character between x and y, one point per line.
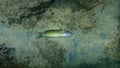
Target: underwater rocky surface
26	12
95	25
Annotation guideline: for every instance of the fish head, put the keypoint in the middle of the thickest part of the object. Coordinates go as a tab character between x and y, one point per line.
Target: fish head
68	34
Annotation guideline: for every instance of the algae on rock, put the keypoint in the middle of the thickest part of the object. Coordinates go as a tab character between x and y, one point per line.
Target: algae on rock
18	11
54	54
87	4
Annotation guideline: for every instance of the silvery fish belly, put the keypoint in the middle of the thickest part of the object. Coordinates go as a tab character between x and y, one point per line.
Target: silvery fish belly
55	34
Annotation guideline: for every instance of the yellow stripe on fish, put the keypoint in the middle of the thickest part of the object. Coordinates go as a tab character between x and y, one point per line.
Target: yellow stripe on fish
55	33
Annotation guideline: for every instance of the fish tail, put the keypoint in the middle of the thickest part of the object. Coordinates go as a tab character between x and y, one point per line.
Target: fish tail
40	34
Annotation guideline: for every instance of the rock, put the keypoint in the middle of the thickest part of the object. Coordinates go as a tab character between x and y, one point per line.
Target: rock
54	54
17	11
6	57
86	4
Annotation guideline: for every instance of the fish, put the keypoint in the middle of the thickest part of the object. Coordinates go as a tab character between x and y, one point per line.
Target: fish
59	33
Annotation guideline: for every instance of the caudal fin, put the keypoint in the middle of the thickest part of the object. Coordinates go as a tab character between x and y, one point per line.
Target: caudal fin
39	35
